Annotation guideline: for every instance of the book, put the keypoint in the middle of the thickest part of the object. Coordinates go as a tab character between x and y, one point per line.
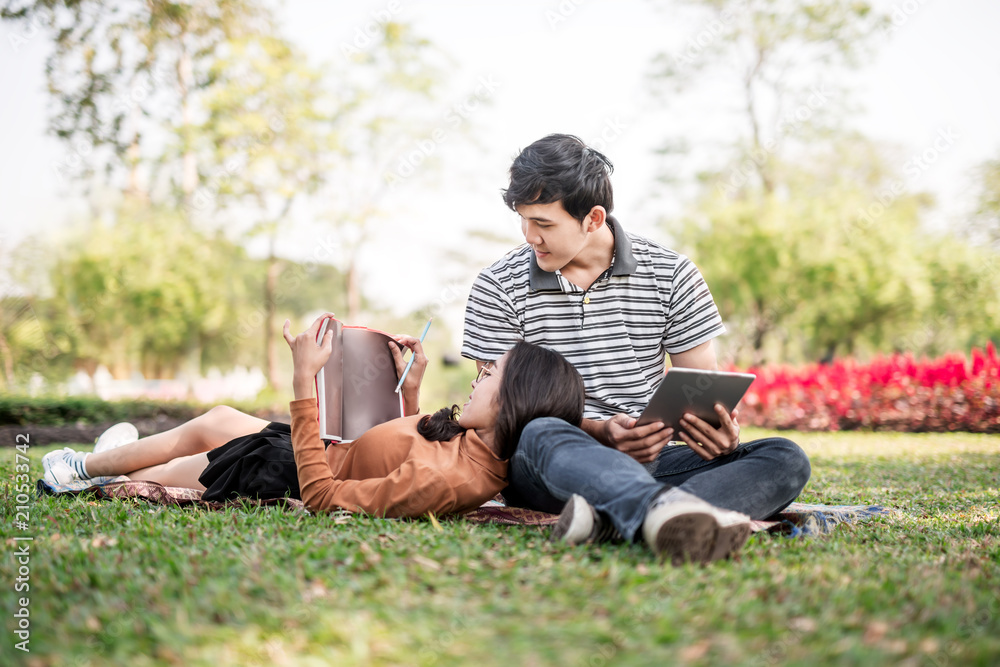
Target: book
356	388
694	391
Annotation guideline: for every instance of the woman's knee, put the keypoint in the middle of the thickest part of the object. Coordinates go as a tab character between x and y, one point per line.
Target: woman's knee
217	426
220	414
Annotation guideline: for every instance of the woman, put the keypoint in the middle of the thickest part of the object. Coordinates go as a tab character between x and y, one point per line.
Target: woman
406	467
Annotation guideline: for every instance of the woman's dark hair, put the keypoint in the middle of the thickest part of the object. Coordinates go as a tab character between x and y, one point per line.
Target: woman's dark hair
560	167
535	382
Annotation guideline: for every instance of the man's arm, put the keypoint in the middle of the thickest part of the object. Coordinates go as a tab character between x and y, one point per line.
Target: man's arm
701	357
705	440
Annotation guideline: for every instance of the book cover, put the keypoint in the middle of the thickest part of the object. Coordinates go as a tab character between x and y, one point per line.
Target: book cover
356	388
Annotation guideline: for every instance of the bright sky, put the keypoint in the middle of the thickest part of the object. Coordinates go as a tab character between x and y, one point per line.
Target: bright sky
583	75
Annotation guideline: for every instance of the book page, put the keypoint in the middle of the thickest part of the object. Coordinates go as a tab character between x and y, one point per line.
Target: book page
329	383
369	387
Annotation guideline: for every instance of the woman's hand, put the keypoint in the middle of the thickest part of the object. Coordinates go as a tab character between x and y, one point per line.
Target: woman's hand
411	385
308	356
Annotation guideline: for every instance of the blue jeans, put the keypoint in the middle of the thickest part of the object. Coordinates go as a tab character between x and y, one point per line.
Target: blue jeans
555	460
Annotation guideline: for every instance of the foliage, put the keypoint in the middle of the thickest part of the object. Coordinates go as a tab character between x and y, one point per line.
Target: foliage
128	582
148	293
145	293
204	109
765	55
838	263
387	123
985	223
121	73
57	411
896	393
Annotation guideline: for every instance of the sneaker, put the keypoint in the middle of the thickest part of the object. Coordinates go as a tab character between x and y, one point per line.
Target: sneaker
56	469
116	436
681	527
579	523
734	531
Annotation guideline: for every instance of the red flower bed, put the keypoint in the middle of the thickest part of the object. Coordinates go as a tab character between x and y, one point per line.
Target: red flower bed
896	393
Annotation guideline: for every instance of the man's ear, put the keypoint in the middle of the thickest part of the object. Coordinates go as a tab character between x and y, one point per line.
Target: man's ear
595	218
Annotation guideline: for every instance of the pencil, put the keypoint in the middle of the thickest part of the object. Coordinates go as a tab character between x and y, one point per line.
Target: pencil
412	355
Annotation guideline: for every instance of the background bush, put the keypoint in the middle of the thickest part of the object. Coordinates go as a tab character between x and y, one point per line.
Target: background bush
56	411
896	393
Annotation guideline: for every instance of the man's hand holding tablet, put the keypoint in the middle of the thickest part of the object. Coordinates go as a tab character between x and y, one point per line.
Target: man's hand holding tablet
699	406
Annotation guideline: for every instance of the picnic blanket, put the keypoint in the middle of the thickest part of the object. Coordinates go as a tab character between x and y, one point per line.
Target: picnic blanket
797	520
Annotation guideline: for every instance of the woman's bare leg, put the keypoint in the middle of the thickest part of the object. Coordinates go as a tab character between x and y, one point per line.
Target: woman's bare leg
183	472
201	434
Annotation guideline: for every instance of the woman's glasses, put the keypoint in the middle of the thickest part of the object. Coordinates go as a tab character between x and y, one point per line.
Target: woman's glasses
487	369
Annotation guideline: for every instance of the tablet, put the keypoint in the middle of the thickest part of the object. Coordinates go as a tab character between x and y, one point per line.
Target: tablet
689	390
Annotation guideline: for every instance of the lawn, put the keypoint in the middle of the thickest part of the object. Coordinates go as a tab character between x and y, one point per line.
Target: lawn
131	583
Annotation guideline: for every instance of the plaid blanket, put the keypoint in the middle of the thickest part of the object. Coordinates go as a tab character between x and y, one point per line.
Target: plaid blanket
798	519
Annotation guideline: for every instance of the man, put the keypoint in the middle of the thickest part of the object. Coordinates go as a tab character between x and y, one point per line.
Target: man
616	305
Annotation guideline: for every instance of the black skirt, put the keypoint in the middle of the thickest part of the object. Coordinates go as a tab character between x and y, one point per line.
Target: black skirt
260	465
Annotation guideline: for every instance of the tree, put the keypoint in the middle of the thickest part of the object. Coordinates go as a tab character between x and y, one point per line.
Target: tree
810	271
984	226
388	87
126	74
147	293
762	50
267	141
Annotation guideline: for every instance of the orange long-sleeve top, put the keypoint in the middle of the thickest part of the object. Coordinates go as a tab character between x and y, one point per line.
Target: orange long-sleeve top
391	470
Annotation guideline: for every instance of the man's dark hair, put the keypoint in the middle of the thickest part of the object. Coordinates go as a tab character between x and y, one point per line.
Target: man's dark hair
560	167
535	382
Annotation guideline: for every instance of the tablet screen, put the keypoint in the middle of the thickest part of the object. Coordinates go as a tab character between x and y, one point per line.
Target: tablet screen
688	390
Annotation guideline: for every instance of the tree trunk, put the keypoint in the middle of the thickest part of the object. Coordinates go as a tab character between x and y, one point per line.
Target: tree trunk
8	363
270	325
189	167
353	293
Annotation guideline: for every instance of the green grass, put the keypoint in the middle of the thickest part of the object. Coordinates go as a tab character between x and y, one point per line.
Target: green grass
127	582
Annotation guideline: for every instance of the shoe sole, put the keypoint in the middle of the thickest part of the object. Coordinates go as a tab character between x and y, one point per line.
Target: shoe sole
730	540
687	538
570	520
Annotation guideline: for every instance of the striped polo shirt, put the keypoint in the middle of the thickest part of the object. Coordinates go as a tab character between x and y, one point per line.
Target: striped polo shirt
651	302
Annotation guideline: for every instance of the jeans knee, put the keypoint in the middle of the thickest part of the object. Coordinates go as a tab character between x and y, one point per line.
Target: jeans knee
538	431
794	464
537	440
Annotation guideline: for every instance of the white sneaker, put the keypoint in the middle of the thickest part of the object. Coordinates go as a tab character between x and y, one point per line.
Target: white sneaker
731	529
734	531
681	527
116	436
57	471
579	523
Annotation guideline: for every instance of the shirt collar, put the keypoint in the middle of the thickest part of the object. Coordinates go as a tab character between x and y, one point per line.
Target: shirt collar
622	264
